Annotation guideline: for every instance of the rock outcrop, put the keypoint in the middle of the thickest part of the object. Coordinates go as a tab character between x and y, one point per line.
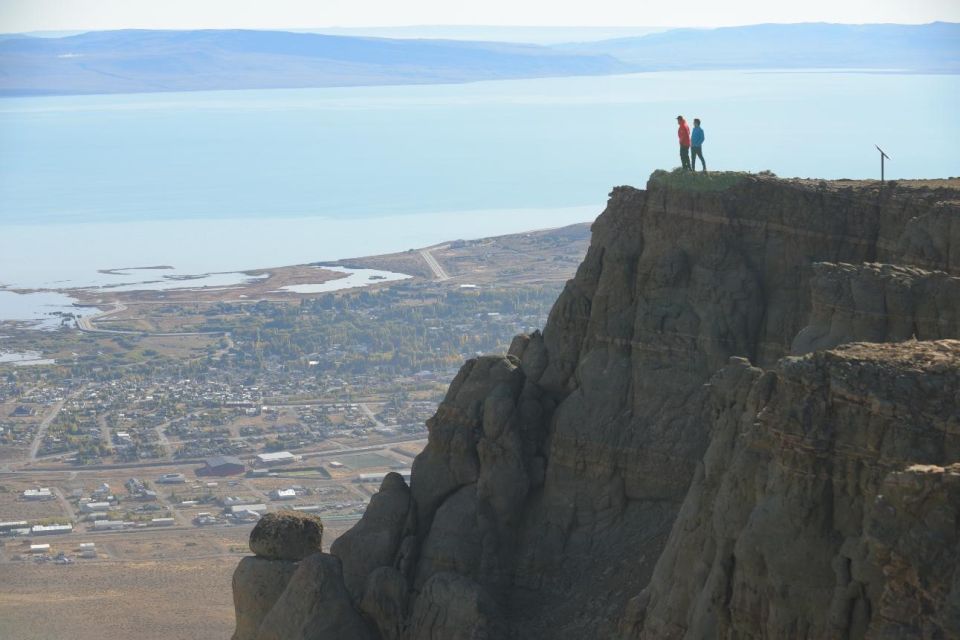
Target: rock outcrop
740	421
290	590
287	535
809	500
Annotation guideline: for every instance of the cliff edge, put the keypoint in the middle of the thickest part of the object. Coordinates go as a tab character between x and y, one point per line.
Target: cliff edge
742	420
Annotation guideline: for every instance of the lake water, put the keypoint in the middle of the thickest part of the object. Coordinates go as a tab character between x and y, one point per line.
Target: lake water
215	182
24	358
37	307
355	278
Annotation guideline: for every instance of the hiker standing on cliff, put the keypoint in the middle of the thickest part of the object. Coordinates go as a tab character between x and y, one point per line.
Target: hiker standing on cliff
683	132
696	146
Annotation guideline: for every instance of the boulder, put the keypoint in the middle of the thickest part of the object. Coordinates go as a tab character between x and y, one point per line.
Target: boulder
287	535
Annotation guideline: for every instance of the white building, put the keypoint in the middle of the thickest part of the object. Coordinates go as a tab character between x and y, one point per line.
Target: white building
240	508
92	507
46	530
43	493
278	457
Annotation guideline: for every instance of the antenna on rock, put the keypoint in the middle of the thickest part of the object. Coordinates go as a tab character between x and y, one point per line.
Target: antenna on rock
882	157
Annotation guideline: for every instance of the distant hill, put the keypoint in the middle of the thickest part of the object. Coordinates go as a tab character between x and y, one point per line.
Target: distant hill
492	33
134	61
930	48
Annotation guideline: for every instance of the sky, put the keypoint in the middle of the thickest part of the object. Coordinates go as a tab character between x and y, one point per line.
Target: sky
41	15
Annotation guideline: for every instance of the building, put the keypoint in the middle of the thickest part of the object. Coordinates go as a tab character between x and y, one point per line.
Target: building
162	522
204	519
93	507
39	548
241	508
42	493
7	527
104	525
172	478
283	494
222	466
245	515
47	530
278	457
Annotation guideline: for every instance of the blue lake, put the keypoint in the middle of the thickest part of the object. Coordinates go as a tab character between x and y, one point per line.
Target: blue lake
221	181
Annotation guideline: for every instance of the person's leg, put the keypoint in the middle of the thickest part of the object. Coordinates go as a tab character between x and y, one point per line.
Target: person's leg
684	157
693	157
698	151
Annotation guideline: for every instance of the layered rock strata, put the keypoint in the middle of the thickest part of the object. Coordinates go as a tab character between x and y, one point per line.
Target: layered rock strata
656	464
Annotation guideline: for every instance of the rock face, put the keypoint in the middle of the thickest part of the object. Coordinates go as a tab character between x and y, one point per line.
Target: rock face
879	303
740	421
809	516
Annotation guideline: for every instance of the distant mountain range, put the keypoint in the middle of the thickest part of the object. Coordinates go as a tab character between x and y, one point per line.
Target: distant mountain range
141	61
134	61
933	48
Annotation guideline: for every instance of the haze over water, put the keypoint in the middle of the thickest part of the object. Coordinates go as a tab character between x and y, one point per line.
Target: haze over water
219	181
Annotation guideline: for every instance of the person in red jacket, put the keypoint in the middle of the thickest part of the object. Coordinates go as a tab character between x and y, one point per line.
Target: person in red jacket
683	132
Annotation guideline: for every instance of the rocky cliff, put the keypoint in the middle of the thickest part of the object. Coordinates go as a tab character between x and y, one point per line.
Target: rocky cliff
742	420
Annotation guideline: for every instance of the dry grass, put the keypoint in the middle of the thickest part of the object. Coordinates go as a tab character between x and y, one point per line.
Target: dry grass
148	600
184	595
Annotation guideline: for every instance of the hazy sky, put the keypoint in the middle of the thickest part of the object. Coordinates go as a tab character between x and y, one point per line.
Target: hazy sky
30	15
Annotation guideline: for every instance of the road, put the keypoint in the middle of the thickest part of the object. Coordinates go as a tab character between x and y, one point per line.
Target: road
164	441
104	431
370	414
438	271
86	325
42	431
314	453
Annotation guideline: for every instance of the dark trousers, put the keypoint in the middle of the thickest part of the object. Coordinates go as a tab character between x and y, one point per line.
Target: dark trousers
694	152
685	156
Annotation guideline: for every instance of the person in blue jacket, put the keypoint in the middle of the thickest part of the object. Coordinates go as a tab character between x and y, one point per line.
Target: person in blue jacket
696	145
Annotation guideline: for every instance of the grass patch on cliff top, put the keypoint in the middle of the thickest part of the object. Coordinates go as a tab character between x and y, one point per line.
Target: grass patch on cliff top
697	181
